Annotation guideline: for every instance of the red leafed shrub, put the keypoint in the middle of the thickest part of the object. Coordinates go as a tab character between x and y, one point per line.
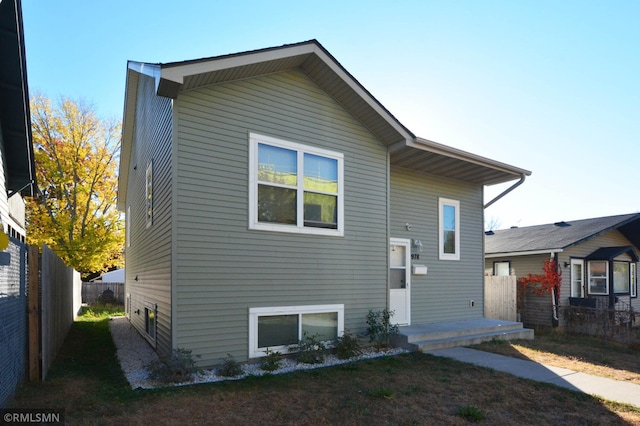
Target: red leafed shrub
542	284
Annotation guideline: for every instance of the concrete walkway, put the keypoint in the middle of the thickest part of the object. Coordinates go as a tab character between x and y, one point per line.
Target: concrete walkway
609	389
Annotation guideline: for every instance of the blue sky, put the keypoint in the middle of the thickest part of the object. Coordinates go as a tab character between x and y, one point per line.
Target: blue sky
548	86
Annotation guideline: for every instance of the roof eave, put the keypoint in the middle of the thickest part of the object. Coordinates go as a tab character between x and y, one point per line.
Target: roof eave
522	253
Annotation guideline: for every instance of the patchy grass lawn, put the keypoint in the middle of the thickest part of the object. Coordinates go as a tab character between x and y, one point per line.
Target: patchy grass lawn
87	383
580	353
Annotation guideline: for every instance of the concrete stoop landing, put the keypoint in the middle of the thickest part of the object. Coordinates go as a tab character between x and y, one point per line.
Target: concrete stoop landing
427	337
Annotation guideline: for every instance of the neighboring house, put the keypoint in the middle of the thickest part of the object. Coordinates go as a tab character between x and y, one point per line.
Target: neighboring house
115	276
268	195
17	169
598	259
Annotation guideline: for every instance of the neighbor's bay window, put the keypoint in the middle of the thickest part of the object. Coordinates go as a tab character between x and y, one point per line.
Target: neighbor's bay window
599	277
621	278
276	328
295	188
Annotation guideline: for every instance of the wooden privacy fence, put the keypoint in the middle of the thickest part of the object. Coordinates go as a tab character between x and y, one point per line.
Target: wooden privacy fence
106	292
500	294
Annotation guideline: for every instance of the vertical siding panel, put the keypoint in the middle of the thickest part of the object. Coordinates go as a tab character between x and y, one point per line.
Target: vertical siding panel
148	259
444	293
224	269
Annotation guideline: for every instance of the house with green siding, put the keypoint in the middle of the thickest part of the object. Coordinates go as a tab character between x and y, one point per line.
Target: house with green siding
268	194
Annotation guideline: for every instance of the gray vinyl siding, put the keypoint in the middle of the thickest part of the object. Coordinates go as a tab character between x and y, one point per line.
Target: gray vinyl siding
223	268
148	258
538	309
444	293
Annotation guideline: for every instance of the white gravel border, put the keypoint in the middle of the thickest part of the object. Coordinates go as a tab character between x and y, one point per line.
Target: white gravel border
134	353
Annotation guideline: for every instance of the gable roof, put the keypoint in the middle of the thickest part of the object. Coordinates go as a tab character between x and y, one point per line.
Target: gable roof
558	236
15	119
321	67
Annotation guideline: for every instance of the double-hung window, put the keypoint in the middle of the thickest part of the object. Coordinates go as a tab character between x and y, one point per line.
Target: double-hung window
295	188
449	227
599	277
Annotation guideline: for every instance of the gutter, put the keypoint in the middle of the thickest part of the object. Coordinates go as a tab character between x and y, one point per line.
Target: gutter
508	190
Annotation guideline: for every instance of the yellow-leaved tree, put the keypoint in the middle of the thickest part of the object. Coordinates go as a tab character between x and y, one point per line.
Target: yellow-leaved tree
76	156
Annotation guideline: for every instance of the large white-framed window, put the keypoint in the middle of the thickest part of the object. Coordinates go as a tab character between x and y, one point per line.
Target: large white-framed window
577	278
149	193
295	188
598	277
275	328
449	229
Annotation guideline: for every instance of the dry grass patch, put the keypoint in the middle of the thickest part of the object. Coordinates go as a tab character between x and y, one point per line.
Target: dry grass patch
580	353
408	389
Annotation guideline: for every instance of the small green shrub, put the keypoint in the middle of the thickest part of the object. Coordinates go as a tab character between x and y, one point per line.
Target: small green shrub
347	346
272	361
379	328
470	413
175	368
230	367
310	350
381	393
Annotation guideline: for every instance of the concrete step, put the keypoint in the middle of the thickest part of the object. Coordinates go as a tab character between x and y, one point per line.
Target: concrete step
427	337
456	328
472	339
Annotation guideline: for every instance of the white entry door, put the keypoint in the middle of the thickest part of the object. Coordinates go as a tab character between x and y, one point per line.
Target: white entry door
400	281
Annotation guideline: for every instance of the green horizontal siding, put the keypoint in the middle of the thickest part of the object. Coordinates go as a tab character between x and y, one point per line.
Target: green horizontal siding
444	293
223	268
149	256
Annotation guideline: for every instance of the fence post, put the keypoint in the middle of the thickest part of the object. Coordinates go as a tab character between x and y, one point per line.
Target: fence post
34	315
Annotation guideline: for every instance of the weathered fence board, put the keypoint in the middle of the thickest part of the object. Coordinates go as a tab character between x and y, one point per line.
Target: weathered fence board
93	292
500	294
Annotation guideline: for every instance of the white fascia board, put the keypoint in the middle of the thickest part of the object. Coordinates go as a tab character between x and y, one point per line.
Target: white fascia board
360	91
176	72
522	253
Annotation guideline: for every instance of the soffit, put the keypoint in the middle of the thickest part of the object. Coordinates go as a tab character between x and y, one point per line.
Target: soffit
437	159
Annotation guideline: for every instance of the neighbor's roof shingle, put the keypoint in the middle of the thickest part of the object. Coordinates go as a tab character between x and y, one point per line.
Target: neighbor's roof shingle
554	236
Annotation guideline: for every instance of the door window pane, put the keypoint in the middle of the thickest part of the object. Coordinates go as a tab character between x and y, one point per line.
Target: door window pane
278	330
324	325
398	257
398	278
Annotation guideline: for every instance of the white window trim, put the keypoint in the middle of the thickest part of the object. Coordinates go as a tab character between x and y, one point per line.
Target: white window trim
254	140
254	313
455	203
151	307
606	276
148	193
632	276
582	289
127	224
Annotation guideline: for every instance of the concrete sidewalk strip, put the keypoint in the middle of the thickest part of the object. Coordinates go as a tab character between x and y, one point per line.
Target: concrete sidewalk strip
613	390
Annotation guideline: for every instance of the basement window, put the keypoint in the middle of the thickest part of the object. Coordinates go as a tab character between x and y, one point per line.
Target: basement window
276	328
